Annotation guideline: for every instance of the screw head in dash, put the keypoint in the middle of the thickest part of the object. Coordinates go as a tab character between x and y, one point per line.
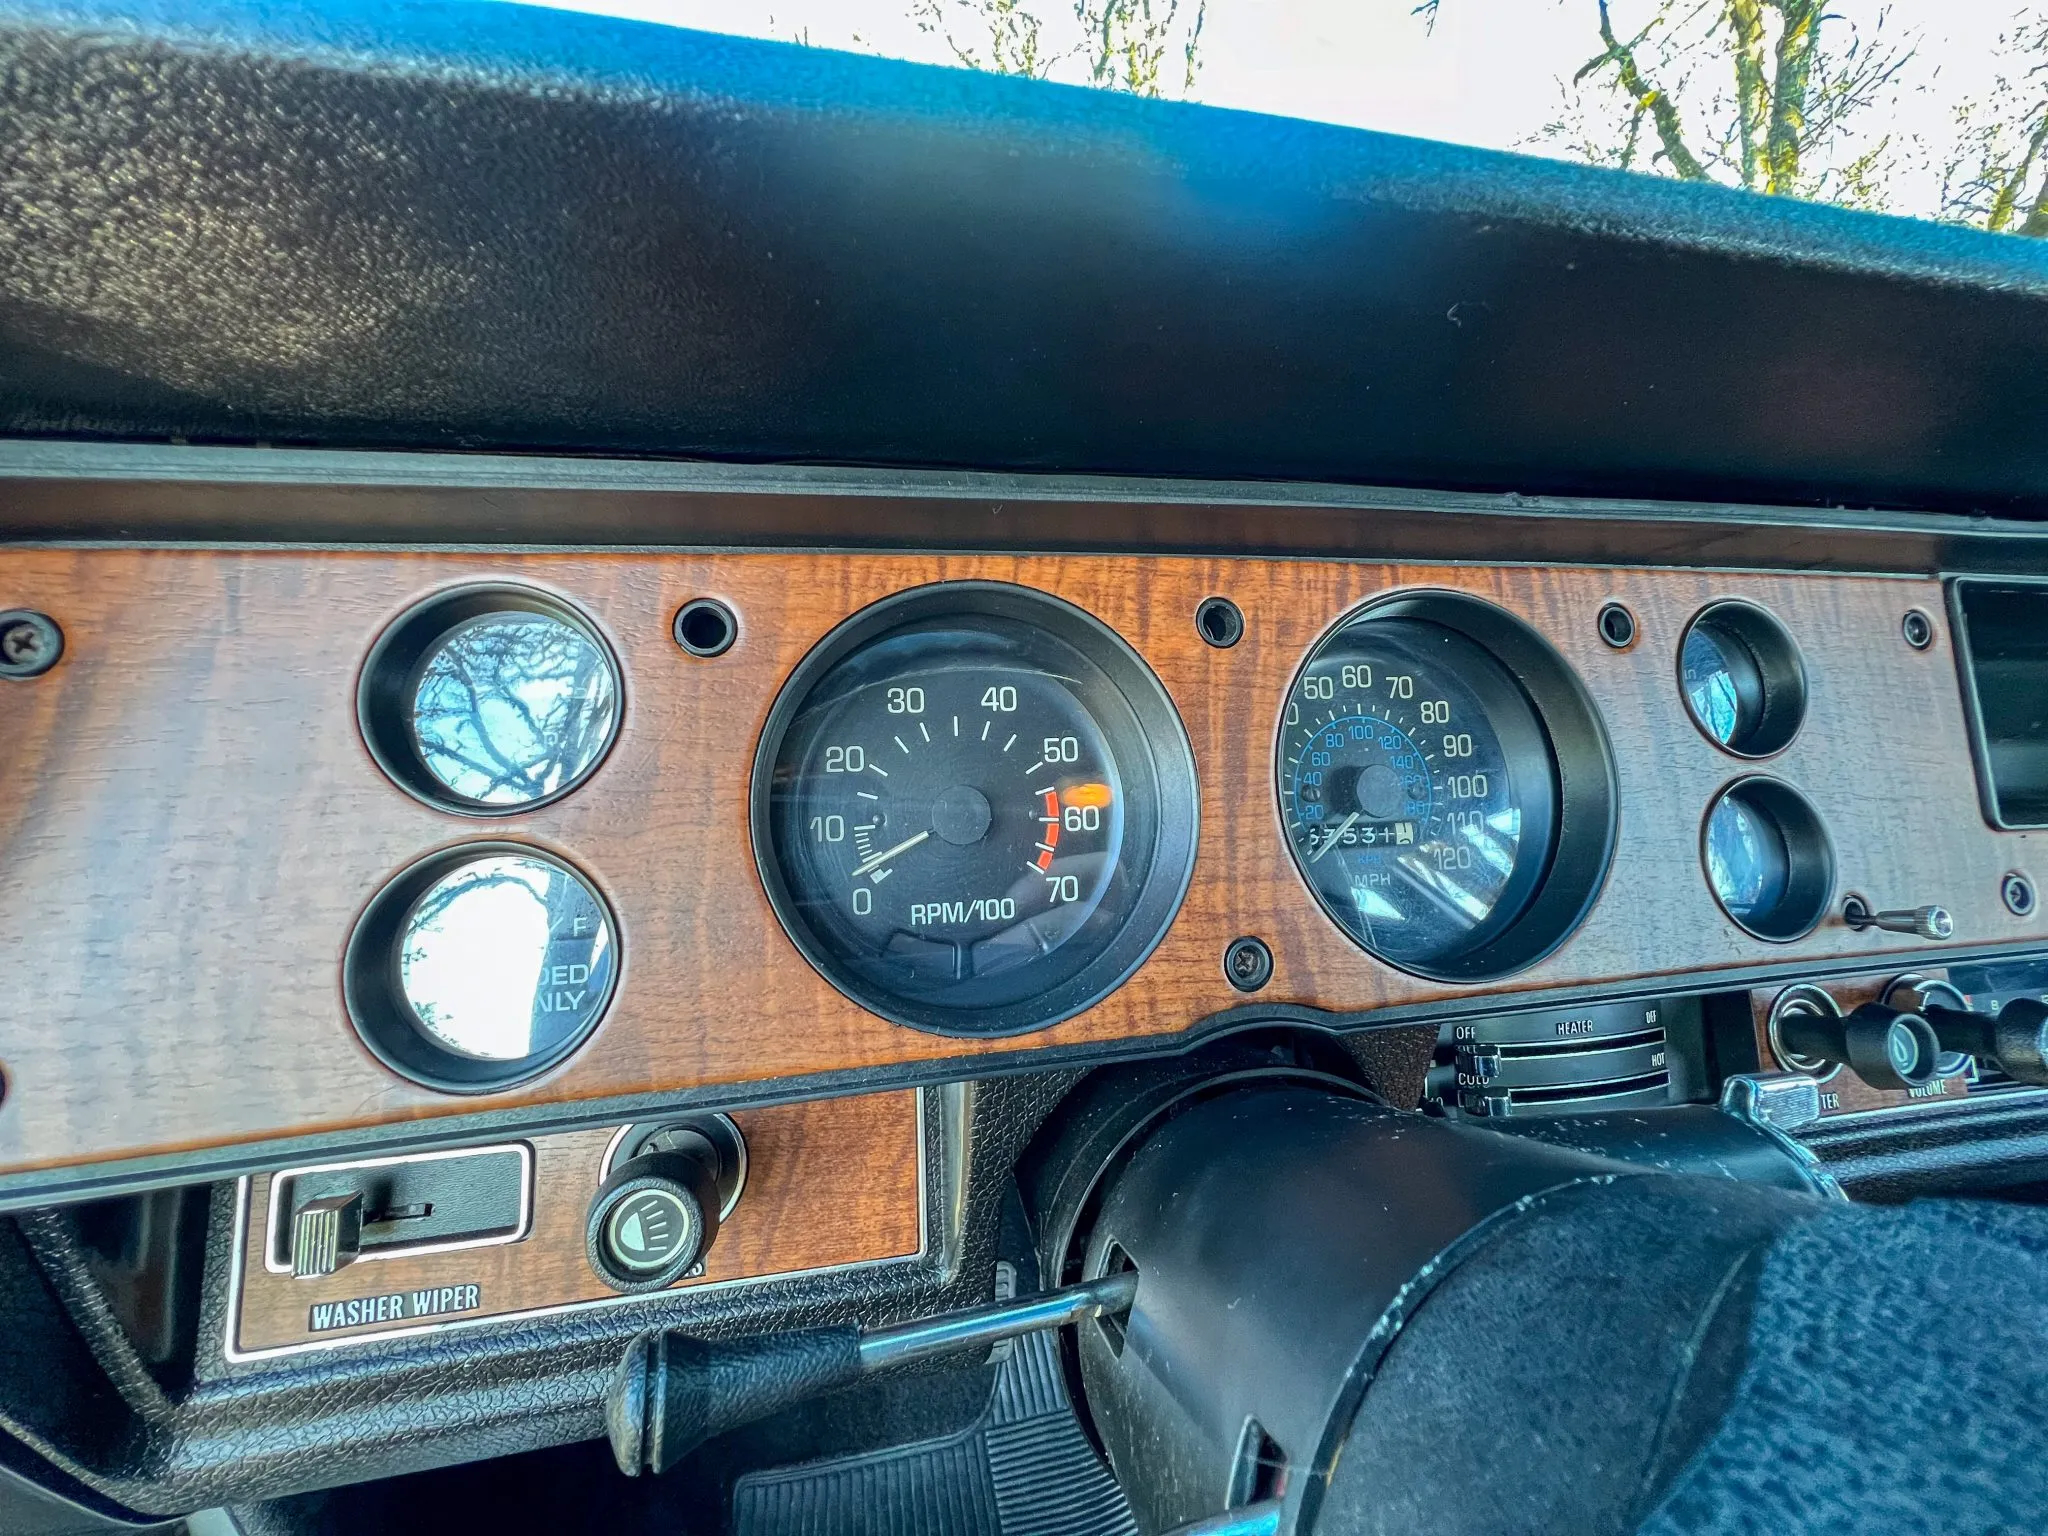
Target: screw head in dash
30	643
1248	964
2018	893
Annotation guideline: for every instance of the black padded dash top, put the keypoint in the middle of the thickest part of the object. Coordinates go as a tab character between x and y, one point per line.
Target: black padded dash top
414	224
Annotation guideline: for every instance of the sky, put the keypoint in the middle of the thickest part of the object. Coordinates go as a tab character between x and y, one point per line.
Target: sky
1489	73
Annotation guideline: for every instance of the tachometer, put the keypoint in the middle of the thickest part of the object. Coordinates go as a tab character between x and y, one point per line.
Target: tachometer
1424	792
974	809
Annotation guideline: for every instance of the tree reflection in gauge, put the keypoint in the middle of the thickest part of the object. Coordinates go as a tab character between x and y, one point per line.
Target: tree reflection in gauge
514	707
1714	688
505	958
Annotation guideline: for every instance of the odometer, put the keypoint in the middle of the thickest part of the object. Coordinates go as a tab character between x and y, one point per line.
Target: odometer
1421	791
978	809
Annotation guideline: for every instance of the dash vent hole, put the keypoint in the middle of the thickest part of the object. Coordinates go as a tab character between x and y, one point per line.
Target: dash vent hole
1220	622
1617	626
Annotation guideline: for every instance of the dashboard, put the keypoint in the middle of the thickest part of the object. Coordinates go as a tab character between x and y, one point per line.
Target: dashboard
658	687
1116	801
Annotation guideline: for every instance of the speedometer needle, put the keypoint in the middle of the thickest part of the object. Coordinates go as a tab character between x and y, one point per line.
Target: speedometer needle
887	854
1330	842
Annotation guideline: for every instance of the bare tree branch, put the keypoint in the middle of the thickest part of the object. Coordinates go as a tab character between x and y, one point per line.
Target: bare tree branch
1118	45
1752	90
1647	97
1015	36
1798	37
2006	204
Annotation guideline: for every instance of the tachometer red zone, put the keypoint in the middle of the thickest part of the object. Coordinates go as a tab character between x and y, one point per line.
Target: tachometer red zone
1051	821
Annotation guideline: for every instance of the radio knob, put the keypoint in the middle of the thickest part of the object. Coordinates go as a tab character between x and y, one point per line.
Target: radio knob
2016	1037
1886	1047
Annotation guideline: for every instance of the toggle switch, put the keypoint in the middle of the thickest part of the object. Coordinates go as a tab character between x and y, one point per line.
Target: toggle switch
327	1233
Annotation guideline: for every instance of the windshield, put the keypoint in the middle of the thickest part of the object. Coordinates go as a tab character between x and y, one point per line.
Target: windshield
1931	109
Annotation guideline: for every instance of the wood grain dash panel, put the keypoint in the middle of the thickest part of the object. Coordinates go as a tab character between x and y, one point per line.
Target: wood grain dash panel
829	1183
199	823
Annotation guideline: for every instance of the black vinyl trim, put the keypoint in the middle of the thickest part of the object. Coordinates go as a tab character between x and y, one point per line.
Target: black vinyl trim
482	226
133	493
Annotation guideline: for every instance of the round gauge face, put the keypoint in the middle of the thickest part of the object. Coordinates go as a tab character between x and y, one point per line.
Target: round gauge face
963	816
1417	788
506	958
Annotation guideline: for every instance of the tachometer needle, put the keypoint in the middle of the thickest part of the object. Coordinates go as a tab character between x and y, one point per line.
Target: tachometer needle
887	854
1328	843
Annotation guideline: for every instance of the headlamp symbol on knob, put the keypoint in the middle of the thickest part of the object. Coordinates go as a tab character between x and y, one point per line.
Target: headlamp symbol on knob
656	1215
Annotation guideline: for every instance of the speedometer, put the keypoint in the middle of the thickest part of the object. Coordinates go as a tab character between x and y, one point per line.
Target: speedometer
1424	794
974	809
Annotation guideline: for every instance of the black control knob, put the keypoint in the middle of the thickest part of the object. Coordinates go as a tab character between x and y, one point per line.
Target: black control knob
1886	1047
653	1220
2016	1037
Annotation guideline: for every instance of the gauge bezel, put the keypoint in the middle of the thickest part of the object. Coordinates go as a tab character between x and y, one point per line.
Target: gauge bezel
1586	807
1157	754
390	680
1780	673
375	998
1810	865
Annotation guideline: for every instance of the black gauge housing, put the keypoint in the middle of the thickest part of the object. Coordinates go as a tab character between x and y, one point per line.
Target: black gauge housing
974	809
1499	759
1742	679
1768	859
550	678
571	967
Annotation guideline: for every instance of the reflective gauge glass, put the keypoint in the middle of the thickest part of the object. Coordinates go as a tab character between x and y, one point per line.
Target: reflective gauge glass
505	958
1724	690
1418	789
512	708
1742	678
1768	859
1748	864
963	814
